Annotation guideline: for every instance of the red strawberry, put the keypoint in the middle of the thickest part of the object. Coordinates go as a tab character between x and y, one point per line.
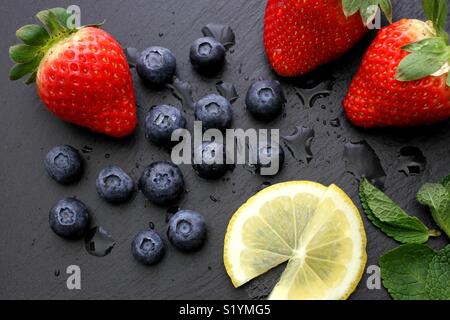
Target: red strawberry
396	88
82	75
302	35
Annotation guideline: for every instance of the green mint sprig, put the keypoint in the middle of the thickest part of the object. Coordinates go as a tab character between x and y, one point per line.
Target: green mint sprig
367	8
416	272
437	197
390	218
404	271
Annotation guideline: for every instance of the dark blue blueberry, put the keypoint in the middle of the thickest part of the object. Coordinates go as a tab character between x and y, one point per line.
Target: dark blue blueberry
267	153
207	55
114	184
69	218
265	100
214	111
156	66
209	160
161	122
148	247
162	183
187	230
64	164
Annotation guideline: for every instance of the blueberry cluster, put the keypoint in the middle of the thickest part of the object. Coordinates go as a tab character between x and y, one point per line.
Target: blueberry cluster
162	183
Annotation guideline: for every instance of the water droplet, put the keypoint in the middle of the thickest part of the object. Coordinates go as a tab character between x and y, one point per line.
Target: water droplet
308	96
98	242
132	55
151	225
170	212
299	143
413	161
107	155
182	90
228	90
363	162
87	149
57	272
335	123
222	33
213	199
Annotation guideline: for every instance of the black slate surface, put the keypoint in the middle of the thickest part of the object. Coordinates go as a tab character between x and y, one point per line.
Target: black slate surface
33	260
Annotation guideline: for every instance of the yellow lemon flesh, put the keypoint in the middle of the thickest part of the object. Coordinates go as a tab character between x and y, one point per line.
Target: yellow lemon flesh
317	229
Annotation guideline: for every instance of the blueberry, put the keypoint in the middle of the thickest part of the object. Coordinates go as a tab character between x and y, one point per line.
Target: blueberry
156	66
187	230
162	183
161	122
64	164
214	111
69	218
266	153
207	55
114	185
148	247
210	160
265	100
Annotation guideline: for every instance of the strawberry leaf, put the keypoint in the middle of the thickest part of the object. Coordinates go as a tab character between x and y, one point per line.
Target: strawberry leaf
386	7
51	21
22	69
351	7
32	35
22	53
418	65
62	15
369	10
435	45
436	11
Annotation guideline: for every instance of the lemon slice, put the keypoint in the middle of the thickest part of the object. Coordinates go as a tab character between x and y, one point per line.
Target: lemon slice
317	229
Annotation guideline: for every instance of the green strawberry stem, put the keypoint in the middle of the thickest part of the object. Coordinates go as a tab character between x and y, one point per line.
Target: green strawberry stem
37	41
430	56
368	9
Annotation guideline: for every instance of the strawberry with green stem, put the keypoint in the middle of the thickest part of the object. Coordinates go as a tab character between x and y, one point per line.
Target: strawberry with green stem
299	36
404	76
81	74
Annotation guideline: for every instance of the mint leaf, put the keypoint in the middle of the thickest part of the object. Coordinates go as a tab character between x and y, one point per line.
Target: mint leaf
351	7
437	198
389	217
405	270
438	277
446	182
421	64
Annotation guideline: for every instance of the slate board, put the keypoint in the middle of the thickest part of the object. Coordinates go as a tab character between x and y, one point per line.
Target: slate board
33	260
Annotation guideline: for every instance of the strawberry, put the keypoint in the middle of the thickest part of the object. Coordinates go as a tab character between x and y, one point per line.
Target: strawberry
299	35
81	74
403	79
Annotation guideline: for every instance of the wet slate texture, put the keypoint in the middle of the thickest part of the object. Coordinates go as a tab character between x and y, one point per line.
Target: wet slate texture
33	260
